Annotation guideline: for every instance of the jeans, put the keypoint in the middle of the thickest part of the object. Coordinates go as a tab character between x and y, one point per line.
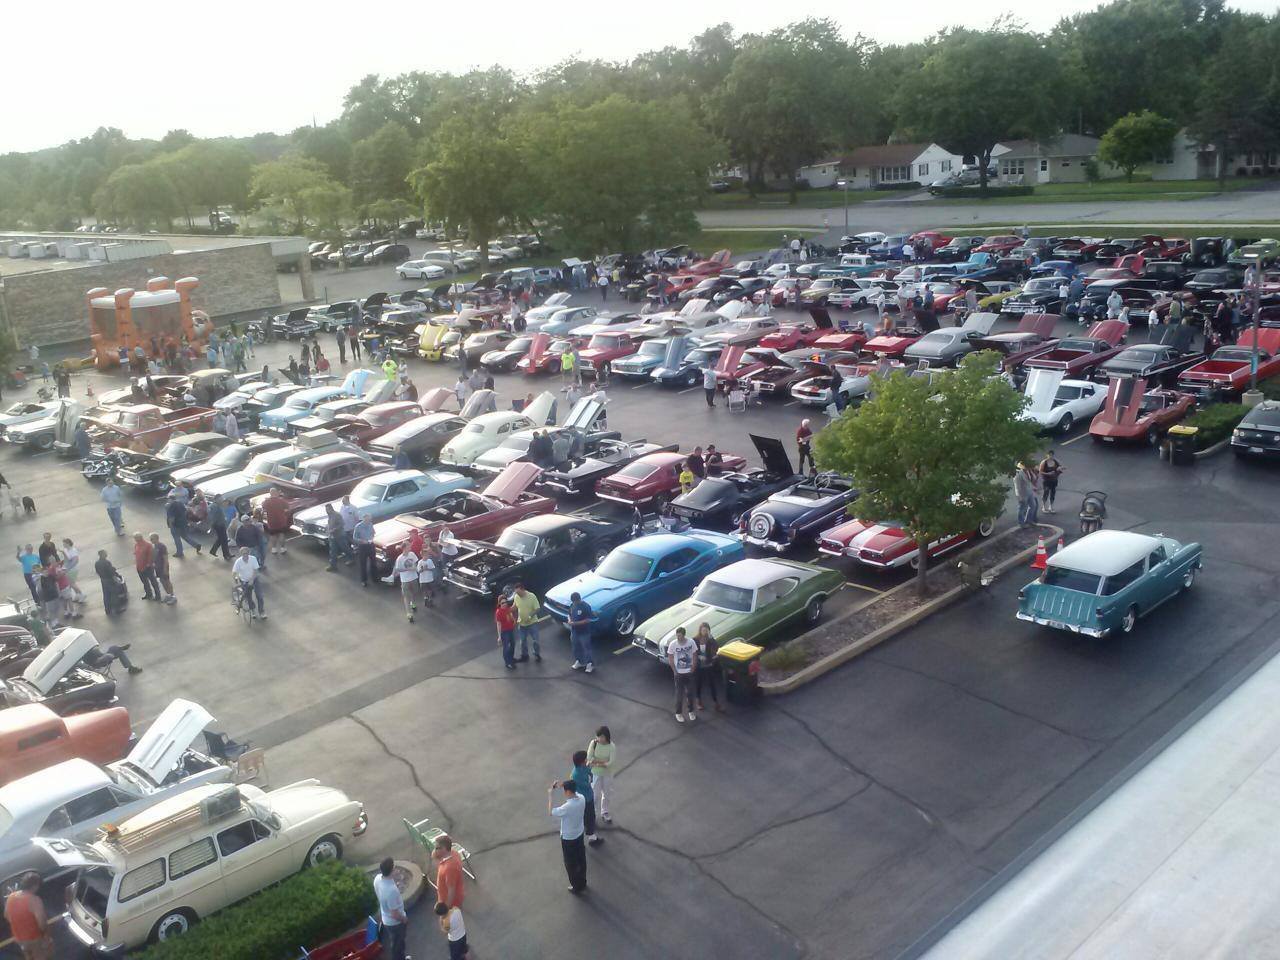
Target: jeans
338	545
117	518
108	595
254	590
711	395
364	557
509	647
684	692
1029	510
31	585
528	633
710	676
180	534
806	453
220	540
575	862
589	818
117	651
393	940
150	585
580	642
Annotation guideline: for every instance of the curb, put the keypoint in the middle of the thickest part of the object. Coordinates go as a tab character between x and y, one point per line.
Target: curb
1216	448
832	660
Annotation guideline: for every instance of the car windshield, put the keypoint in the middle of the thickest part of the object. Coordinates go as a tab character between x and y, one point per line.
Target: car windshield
601	342
702	356
173	450
1072	580
1085	345
299	403
652	349
518	542
232	456
1040	285
724	595
520	343
707	493
625	567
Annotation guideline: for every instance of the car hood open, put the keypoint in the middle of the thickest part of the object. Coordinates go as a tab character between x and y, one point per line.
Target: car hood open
56	660
170	734
512	482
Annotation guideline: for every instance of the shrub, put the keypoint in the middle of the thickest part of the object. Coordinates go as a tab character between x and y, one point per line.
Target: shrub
899	185
976	193
1216	421
789	656
307	909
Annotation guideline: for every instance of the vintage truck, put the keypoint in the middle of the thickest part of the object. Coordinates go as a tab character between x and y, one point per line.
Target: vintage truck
33	737
1228	371
1078	356
143	427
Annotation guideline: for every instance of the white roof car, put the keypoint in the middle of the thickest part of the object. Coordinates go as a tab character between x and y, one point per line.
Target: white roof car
547	307
24	411
1057	404
749	574
1106	552
485	432
280	463
73	798
563	439
743	330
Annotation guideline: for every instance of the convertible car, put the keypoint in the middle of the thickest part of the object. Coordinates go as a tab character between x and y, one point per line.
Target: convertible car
750	600
55	678
799	513
579	476
154	471
721	500
1132	412
1057	404
886	546
654	478
643	576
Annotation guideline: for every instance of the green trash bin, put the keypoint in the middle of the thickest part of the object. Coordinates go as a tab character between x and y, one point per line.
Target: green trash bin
1182	445
741	663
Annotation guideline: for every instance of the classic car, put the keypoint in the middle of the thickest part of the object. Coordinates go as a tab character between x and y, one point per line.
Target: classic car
854	382
792	367
268	465
884	545
563	321
1259	252
864	292
1057	404
579	476
892	344
298	405
33	737
685	362
370	424
264	399
490	429
743	289
791	336
537	551
1159	362
1039	295
229	459
949	345
798	514
577	437
1077	249
737	362
56	679
45	432
464	514
818	292
957	248
653	478
321	479
999	245
667	289
293	325
1230	368
548	307
384	495
641	364
544	356
1258	434
603	348
478	345
1077	356
1033	337
325	414
166	387
1132	412
1208	285
503	358
142	427
750	600
73	798
155	472
1105	581
710	267
721	500
1120	246
421	439
782	291
25	411
890	248
743	332
858	242
643	576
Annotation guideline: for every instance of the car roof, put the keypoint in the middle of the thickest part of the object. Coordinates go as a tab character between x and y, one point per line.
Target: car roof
327	459
51	786
658	545
545	523
662	458
393	476
752	573
192	438
1106	552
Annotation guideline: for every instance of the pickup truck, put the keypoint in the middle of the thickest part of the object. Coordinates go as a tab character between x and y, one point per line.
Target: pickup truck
143	427
1078	356
977	262
1228	370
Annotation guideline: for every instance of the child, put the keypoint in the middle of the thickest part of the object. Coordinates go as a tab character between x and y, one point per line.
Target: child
452	926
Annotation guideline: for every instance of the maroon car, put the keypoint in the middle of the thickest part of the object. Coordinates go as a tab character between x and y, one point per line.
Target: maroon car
1033	338
1077	356
370	424
778	378
653	479
323	478
465	514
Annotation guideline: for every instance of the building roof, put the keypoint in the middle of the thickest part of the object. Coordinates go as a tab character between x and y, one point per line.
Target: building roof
1065	145
885	155
825	162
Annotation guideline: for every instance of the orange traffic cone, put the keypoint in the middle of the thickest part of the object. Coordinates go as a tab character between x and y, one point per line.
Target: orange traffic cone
1042	556
1062	542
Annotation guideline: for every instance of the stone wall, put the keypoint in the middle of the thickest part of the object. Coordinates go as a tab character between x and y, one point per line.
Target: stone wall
48	307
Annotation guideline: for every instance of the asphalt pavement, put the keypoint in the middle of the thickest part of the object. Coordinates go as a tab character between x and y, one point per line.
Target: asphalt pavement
857	817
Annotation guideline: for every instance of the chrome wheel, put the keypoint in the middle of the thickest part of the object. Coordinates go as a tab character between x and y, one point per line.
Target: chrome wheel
624	621
813	610
985	528
1188	578
1130	620
326	848
173	925
1066	423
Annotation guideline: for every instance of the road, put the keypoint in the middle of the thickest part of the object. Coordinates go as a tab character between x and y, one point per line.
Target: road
853	818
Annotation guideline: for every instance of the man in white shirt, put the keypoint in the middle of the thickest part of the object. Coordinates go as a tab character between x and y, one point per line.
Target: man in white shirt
682	655
245	569
908	252
427	577
572	841
405	570
391	910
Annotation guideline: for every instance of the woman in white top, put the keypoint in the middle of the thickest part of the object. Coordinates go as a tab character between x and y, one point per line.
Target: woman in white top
71	565
427	577
406	571
602	758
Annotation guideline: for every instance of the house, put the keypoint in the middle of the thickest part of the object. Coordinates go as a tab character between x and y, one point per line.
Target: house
1061	160
821	174
898	163
1189	159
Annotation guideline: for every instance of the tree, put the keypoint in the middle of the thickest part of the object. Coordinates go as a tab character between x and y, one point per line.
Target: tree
90	175
329	145
290	182
175	140
935	455
138	193
1136	139
380	165
208	174
965	96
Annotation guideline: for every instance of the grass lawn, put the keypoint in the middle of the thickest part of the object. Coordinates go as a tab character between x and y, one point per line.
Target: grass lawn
739	199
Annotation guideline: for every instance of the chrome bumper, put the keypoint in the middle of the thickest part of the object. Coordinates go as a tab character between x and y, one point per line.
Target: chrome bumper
1060	625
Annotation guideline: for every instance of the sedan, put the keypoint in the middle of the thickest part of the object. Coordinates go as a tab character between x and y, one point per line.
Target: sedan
384	495
420	269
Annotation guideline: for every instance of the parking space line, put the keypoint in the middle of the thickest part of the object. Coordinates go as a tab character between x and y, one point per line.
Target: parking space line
690	389
639	386
622	650
792	403
1074	439
859	586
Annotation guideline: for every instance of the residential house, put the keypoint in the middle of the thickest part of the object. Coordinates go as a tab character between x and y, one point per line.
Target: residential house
822	174
898	163
1061	160
1189	159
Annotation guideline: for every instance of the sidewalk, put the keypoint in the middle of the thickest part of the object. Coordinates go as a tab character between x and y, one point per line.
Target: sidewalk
1178	864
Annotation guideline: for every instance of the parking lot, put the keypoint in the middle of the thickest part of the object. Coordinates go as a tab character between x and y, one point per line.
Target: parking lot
850	819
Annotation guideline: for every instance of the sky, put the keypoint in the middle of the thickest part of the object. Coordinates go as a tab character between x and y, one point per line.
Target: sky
235	68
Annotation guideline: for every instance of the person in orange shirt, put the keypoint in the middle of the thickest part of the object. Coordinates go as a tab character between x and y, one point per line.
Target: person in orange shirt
28	923
449	883
275	508
144	561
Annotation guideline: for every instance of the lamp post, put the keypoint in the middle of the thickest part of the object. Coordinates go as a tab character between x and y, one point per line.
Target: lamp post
845	185
1252	397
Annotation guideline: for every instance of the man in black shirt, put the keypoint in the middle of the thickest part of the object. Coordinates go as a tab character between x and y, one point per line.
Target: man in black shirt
106	572
697	465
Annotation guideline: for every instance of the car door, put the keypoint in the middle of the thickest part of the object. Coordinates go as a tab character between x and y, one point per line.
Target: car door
404	495
675	575
1163	579
776	603
1126	589
253	856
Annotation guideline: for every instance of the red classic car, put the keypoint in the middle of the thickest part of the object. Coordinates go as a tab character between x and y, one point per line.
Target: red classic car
892	344
654	478
1033	337
1132	412
850	341
544	354
794	366
604	348
935	239
370	424
737	362
1127	267
1077	356
710	267
1228	370
791	336
886	545
999	245
1077	249
321	479
465	514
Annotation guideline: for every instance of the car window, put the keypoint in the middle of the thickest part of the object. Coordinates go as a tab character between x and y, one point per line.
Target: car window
554	541
678	560
402	489
1117	582
142	880
191	858
240	836
1156	557
91	805
56	822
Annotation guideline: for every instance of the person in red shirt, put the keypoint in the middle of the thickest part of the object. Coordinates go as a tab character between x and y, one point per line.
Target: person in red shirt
415	542
28	923
804	443
275	508
505	618
144	561
449	882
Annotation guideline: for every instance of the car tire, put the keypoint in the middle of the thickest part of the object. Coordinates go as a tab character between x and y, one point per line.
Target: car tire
173	924
1066	423
1153	437
692	379
1130	620
1189	578
401	275
813	609
43	443
326	848
625	621
986	528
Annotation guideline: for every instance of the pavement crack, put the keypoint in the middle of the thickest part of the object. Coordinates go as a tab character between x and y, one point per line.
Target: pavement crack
789	821
514	842
646	751
413	770
563	679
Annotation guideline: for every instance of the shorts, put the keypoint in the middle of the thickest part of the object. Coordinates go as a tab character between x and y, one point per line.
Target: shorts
458	948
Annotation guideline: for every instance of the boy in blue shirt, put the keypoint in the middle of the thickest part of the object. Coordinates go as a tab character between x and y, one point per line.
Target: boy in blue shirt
581	777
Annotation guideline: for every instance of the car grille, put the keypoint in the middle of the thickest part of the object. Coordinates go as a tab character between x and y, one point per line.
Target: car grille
556	609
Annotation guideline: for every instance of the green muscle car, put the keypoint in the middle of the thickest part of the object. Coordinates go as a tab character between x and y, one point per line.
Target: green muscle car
748	600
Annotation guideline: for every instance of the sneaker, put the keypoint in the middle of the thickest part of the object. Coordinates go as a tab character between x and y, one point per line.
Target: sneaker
576	665
198	549
679	718
331	568
537	657
591	668
282	550
262	616
595	841
510	666
134	671
691	715
274	550
606	818
171	599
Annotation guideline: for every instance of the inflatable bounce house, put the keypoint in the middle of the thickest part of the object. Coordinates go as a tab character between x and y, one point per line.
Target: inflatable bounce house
136	318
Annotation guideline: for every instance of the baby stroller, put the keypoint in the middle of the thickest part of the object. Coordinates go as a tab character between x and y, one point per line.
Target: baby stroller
119	594
1093	510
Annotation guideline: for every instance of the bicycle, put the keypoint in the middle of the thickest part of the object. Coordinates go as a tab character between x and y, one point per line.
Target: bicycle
242	600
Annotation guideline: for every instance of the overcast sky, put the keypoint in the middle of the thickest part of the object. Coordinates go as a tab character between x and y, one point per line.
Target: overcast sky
239	67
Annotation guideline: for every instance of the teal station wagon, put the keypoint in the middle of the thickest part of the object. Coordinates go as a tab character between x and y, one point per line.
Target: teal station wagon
1104	582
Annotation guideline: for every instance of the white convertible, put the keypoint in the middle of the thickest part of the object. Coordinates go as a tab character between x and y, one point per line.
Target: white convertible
490	430
1057	404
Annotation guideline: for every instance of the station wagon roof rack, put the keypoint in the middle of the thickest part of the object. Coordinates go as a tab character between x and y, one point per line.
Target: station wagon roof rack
208	809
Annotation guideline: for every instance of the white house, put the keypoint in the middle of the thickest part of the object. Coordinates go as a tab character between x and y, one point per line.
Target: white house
898	163
1189	159
1061	160
823	173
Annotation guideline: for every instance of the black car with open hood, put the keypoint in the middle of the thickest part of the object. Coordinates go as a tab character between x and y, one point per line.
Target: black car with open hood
579	475
721	500
1161	361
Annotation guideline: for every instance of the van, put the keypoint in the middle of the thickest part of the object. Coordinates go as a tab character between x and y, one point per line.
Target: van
152	876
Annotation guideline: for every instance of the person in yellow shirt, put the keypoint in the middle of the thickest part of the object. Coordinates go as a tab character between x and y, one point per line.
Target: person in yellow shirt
527	608
567	371
686	478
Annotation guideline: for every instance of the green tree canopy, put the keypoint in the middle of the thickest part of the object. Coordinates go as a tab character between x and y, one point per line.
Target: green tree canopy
935	455
1137	139
139	194
380	165
291	183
